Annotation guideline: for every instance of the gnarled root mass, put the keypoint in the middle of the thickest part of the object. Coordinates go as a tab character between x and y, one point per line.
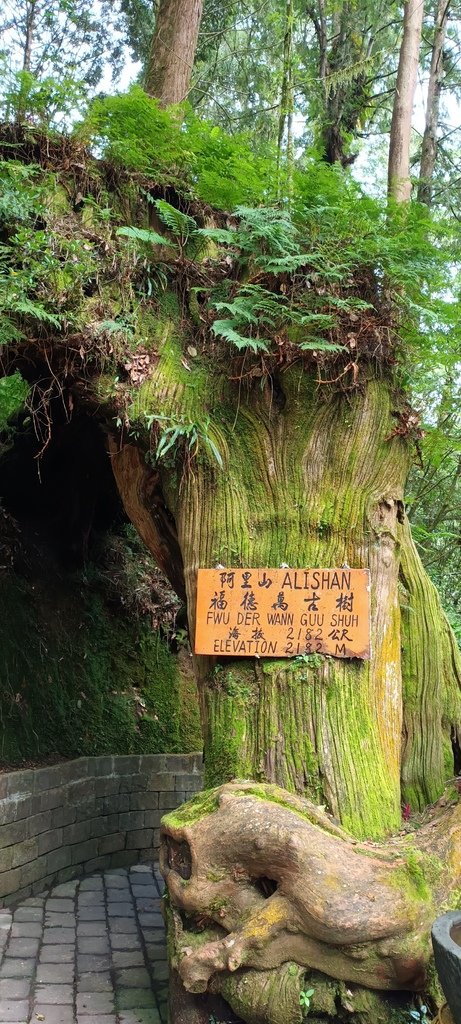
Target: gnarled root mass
259	878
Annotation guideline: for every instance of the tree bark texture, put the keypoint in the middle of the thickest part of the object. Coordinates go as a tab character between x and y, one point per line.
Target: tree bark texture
429	147
399	183
310	479
277	881
172	52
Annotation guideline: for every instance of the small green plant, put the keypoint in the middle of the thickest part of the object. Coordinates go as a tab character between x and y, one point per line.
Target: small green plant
420	1015
193	435
305	997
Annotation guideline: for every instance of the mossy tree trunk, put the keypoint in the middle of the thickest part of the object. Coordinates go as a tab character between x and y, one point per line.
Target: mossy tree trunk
310	478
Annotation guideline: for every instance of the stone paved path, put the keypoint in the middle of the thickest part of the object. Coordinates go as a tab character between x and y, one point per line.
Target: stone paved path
90	951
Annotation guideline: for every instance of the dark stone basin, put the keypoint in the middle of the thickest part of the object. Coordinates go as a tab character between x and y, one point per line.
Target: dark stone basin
446	940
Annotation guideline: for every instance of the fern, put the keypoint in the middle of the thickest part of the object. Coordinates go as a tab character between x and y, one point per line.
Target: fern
13	394
179	223
176	431
145	235
226	329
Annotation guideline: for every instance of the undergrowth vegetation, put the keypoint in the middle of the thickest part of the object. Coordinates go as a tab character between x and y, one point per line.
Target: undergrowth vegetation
146	222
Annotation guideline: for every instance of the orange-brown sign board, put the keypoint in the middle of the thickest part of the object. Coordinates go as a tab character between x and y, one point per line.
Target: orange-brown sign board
283	613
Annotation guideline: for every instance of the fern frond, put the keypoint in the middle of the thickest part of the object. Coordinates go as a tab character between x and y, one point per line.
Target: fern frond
226	329
145	235
26	307
179	223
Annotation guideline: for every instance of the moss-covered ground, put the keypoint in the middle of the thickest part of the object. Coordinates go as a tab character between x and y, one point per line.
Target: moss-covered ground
81	676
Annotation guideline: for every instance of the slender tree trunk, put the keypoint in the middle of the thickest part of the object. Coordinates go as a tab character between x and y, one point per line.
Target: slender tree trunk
286	98
31	16
173	49
399	183
429	147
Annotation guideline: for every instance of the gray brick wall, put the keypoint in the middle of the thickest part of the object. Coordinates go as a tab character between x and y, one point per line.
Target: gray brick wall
62	821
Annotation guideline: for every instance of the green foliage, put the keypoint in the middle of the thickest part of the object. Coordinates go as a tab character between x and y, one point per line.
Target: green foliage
42	270
13	394
54	52
144	235
130	129
255	307
90	679
45	102
305	997
194	437
179	223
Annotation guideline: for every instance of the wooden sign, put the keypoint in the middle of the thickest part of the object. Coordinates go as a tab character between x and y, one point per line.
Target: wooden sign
282	613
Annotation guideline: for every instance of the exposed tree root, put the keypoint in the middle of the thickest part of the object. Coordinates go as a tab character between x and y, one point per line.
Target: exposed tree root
277	882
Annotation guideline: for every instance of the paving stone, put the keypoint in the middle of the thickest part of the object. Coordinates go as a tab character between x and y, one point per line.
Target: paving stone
65	888
146	892
57	954
91	898
91	884
123	926
116	881
59	920
34	901
89	962
124	941
91	928
133	977
95	1002
28	914
61	906
149	904
91	914
14	988
23	948
101	1018
132	998
26	930
89	982
140	1016
125	909
156	953
151	921
160	971
128	957
50	1014
93	944
56	935
16	968
55	974
154	936
13	1010
51	994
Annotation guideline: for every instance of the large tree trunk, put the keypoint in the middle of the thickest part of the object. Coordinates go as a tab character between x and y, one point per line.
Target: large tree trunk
173	50
429	147
311	478
399	145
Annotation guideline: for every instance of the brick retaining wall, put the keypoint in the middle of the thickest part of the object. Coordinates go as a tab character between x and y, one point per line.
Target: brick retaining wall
80	816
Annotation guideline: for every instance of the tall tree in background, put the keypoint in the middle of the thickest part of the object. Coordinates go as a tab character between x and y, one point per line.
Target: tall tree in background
172	54
53	54
429	146
399	146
